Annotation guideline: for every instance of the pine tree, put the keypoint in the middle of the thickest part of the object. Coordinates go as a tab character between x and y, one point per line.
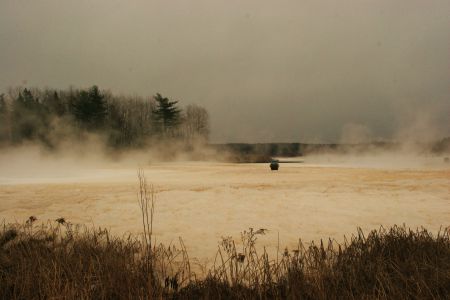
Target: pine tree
28	117
166	114
89	108
54	104
3	108
3	119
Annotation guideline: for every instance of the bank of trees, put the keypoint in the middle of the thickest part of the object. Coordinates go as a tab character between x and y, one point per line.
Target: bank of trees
50	116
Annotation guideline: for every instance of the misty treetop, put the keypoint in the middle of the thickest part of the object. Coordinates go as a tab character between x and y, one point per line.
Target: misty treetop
167	114
89	108
50	116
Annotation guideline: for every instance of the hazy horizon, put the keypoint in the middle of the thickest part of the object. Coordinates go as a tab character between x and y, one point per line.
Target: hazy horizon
286	71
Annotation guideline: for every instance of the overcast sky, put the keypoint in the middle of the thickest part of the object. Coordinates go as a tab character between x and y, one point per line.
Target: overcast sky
267	71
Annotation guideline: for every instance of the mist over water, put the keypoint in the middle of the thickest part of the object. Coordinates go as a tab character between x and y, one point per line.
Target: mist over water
321	196
352	98
294	71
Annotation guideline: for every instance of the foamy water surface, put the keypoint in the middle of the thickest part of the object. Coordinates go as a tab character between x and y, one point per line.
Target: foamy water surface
203	201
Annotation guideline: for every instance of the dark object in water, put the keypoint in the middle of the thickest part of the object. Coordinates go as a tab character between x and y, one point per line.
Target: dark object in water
446	159
274	165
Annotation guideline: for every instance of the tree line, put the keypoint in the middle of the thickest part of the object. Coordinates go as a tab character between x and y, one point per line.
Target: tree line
49	116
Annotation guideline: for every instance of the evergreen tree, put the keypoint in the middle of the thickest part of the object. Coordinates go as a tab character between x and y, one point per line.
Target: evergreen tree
38	115
89	108
166	114
3	119
26	101
54	104
3	108
28	118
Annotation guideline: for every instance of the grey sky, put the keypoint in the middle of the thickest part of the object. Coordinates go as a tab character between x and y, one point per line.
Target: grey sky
303	70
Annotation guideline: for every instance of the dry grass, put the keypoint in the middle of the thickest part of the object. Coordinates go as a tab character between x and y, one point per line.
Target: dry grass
387	264
59	260
63	261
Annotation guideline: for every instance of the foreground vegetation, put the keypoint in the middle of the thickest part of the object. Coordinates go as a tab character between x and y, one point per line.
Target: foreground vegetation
62	261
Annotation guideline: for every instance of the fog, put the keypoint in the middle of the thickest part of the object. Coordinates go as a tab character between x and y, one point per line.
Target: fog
372	75
267	71
318	197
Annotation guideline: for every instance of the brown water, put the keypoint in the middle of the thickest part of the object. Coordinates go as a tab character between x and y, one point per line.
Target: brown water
202	202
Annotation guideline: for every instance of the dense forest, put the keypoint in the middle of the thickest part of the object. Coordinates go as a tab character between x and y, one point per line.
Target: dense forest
50	117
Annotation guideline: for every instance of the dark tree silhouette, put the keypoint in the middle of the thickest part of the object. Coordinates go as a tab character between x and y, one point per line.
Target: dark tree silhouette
51	116
89	108
3	108
167	115
54	103
28	116
3	119
26	100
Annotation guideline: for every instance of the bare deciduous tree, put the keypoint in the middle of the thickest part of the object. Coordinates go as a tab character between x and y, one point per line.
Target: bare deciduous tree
196	123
